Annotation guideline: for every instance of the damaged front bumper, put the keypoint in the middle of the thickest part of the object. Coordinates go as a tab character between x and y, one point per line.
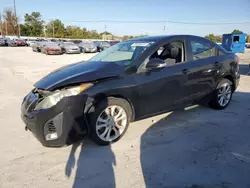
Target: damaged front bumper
59	125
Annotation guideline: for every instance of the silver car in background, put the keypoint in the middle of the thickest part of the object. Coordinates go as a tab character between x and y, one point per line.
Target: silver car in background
30	42
87	47
69	48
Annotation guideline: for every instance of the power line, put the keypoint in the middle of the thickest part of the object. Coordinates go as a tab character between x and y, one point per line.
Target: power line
154	22
157	21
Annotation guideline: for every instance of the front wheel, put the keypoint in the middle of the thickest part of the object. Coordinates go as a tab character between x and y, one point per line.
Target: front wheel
222	95
109	120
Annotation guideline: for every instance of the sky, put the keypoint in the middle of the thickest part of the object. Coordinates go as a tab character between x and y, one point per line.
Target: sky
72	12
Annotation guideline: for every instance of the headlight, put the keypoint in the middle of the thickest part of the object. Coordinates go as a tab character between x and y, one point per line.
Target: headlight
54	98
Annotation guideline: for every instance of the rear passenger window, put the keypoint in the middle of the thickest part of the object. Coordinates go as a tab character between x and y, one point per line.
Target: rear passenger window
201	50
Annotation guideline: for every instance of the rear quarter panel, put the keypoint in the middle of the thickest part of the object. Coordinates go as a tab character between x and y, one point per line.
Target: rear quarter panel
227	66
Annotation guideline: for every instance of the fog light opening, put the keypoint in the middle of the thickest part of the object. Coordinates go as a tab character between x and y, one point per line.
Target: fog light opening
53	128
51	136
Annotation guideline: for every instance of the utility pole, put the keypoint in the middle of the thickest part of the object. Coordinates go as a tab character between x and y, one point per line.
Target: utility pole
45	31
53	28
19	30
18	27
6	27
1	26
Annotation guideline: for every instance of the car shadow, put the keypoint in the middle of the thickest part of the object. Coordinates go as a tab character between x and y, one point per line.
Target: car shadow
94	165
194	147
199	147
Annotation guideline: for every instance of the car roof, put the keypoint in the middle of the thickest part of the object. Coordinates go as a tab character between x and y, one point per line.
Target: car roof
160	37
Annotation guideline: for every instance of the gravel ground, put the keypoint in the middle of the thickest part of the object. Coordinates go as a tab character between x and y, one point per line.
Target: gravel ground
196	146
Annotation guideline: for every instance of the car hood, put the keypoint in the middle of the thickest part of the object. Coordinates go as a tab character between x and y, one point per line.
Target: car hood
79	73
71	47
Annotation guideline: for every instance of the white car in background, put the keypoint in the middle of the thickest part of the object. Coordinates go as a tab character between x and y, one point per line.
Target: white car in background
30	42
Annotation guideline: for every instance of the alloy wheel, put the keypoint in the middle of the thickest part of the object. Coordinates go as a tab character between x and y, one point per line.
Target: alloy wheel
224	94
111	123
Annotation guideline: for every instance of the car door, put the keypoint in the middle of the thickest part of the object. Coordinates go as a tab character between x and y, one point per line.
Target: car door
160	90
203	67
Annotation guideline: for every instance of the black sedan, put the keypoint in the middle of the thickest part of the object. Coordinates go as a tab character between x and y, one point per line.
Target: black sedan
131	80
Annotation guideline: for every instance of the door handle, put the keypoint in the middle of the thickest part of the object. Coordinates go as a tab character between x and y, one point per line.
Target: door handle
185	71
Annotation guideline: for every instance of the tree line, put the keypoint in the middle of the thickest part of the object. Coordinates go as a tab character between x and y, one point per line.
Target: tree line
35	26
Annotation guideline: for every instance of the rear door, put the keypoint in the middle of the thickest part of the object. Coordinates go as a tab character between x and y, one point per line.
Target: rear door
203	67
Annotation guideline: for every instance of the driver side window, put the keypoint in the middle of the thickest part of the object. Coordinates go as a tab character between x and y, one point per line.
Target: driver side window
171	53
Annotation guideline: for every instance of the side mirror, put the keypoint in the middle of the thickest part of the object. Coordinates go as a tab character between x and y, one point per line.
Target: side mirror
155	64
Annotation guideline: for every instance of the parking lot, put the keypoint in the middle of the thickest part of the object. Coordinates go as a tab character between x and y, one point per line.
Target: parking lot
194	146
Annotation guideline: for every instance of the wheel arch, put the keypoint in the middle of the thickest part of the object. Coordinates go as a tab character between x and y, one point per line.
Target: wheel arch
100	97
230	77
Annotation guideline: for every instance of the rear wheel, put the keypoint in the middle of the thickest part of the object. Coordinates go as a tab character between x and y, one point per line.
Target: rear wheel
222	95
109	121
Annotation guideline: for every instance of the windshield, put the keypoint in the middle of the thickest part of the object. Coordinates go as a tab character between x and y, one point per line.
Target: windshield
50	44
87	44
122	53
69	44
103	43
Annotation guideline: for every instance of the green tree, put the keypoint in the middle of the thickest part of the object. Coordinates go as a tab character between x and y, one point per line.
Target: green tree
211	37
24	30
55	28
105	33
125	37
33	24
214	38
236	31
248	39
11	21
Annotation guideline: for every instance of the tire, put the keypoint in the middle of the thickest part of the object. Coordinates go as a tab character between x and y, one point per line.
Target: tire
217	101
97	111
